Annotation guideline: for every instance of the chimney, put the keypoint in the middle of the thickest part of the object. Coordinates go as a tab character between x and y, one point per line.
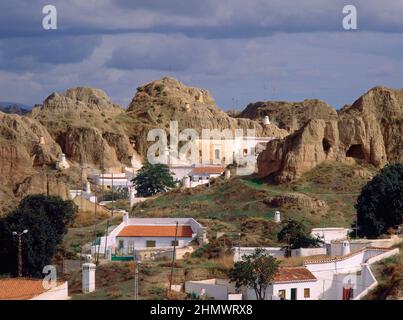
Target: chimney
227	174
345	249
186	182
88	188
88	277
277	217
132	197
266	120
42	141
126	218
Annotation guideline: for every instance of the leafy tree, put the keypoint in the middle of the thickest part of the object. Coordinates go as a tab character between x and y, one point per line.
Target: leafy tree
46	219
295	235
255	271
380	204
152	179
115	194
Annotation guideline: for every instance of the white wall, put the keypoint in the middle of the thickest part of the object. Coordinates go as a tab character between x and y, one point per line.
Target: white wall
239	252
330	234
214	288
305	252
140	242
300	286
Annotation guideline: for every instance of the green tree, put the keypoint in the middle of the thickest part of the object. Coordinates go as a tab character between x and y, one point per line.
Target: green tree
255	271
296	236
46	219
380	204
152	179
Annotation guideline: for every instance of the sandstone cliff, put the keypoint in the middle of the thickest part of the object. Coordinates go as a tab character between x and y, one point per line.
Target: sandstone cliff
369	131
290	116
87	125
24	160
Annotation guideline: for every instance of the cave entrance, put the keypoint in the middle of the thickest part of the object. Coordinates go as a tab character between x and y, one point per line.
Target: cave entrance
326	145
356	151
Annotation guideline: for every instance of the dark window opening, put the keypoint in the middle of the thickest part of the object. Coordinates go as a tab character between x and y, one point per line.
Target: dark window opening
326	145
355	151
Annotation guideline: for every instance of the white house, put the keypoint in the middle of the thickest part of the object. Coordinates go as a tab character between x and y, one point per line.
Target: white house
290	283
31	289
117	180
336	246
330	234
346	277
217	289
150	234
327	278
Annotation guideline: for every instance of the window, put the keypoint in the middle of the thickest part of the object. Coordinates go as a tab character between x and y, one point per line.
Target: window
281	294
121	244
245	152
150	243
174	243
217	154
307	293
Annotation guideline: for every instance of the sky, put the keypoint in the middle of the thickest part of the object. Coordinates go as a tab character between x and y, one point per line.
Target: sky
241	51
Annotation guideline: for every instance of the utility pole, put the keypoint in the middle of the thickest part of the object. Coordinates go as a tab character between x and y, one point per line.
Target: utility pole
106	236
173	258
19	235
136	280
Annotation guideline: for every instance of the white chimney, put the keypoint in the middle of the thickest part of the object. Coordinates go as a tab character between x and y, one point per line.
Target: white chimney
126	218
132	197
88	188
277	217
227	174
88	277
62	157
345	249
42	141
266	120
186	182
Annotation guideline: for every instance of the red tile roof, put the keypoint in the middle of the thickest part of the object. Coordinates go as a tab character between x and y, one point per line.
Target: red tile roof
156	231
20	288
294	274
208	170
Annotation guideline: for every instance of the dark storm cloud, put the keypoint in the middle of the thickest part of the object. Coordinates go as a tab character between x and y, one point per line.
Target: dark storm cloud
232	47
27	54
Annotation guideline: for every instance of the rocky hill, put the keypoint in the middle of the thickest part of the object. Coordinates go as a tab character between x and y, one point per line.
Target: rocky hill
24	160
368	132
290	116
87	125
157	103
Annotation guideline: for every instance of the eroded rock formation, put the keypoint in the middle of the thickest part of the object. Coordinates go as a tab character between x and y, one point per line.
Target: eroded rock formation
369	131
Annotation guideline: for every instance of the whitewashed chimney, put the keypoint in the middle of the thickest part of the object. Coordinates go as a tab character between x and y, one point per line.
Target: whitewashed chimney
345	249
88	188
186	182
277	217
42	141
266	120
126	218
132	197
227	174
88	277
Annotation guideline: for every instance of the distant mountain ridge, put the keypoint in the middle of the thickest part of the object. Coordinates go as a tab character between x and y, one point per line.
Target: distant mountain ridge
14	107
